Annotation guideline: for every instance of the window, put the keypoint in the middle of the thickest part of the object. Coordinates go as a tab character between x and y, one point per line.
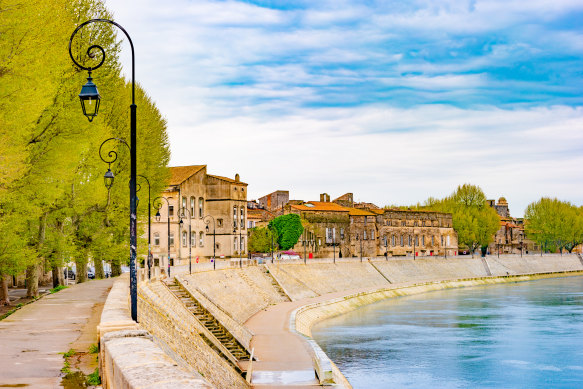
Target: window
193	239
192	207
235	218
156	239
403	223
201	239
235	243
410	241
402	241
342	233
386	241
219	222
447	240
200	207
393	239
365	221
442	240
218	246
171	210
372	234
183	203
416	240
423	240
242	244
250	224
364	235
415	223
172	239
242	218
184	239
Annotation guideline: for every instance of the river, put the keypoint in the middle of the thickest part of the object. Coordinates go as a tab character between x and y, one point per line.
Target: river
515	335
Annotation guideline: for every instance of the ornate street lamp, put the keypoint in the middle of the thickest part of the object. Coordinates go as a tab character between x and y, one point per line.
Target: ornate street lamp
189	237
88	96
214	237
157	203
271	228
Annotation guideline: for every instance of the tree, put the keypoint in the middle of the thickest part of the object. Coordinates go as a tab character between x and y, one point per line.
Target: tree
554	224
473	220
289	229
261	238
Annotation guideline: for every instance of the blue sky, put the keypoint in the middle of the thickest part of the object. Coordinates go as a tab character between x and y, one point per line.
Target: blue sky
393	101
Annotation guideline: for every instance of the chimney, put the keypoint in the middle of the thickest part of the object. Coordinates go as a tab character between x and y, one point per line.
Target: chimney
237	179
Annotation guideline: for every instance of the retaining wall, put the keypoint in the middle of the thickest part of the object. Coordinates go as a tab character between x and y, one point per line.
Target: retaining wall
128	357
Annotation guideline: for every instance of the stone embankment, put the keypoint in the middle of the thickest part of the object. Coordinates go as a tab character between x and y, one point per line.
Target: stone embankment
243	300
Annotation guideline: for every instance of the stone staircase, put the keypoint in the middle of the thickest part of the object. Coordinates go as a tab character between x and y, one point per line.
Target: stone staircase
275	284
232	351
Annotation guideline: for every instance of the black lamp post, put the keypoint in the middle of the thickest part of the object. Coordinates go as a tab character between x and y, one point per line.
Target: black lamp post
240	245
386	248
520	238
305	247
158	216
271	228
214	237
149	225
334	245
90	100
189	237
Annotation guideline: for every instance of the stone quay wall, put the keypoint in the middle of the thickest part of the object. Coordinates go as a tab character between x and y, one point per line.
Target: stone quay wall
128	356
162	314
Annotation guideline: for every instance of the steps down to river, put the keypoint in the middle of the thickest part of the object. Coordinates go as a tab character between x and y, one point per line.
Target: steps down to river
215	329
275	284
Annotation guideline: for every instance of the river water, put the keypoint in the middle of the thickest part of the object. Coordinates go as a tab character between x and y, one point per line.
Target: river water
516	335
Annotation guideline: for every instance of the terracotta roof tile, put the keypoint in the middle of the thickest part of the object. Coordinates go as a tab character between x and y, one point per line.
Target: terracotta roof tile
232	181
359	212
179	174
319	206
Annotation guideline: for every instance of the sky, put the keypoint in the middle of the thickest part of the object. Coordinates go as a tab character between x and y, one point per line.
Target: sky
393	101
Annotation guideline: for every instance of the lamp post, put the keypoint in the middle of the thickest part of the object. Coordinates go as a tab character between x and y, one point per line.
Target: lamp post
88	95
271	228
189	237
520	238
386	248
149	226
214	235
358	239
158	205
334	244
414	245
240	245
305	247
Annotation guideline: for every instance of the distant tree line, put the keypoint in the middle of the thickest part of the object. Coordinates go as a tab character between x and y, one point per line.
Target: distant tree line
54	207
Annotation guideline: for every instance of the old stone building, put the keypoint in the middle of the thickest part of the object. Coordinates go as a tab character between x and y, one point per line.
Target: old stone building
342	228
275	200
212	209
510	237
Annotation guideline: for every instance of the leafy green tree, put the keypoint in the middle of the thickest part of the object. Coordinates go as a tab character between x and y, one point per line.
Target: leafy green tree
554	224
261	238
289	229
474	221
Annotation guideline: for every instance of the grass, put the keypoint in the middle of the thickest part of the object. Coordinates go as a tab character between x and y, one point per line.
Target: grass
69	353
93	378
58	288
93	349
66	368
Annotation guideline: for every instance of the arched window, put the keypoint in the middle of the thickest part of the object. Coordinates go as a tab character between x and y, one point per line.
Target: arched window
242	244
402	241
200	207
192	207
201	239
156	239
235	243
183	203
393	240
410	241
184	238
171	243
372	234
242	218
193	239
235	219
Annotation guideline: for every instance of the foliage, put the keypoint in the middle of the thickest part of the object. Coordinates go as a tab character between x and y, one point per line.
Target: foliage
54	207
554	224
261	238
289	229
93	349
93	379
474	221
58	288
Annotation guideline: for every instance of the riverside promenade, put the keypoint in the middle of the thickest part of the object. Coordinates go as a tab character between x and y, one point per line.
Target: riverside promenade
33	339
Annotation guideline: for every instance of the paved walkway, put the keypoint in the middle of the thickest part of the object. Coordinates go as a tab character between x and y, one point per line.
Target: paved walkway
284	359
32	339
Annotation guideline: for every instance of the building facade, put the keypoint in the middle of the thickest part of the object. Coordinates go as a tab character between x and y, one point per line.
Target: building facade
213	211
344	229
510	237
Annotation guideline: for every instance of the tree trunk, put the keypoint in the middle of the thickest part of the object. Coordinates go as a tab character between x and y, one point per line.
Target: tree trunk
58	276
98	268
4	299
32	281
81	275
115	268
